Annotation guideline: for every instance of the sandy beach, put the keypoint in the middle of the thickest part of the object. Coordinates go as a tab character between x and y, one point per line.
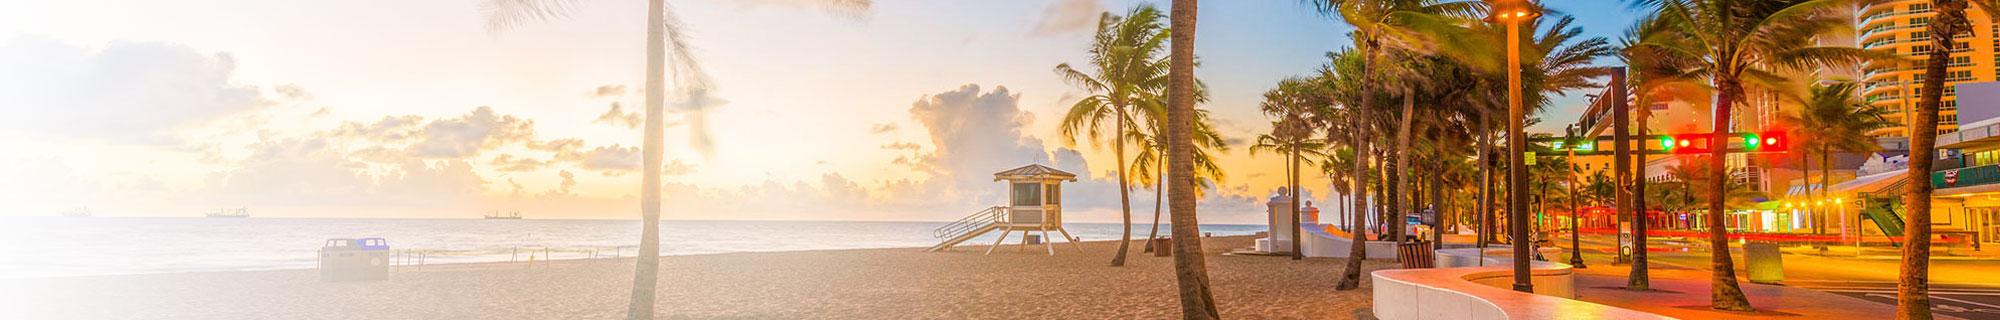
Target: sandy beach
902	283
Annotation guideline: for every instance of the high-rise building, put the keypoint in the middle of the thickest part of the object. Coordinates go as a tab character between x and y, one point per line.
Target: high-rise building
1900	27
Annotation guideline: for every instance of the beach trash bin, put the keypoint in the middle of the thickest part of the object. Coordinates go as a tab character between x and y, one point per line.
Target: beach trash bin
1163	247
363	259
1766	264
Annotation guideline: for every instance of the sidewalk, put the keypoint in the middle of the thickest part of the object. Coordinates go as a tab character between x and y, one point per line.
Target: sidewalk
1685	294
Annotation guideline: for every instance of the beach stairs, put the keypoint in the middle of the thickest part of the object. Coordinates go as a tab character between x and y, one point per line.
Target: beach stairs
971	226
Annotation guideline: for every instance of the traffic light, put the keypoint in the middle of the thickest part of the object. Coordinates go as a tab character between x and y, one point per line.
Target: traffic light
1685	144
1768	141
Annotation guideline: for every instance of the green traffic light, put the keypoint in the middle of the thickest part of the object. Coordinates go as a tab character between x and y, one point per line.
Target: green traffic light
1666	143
1752	141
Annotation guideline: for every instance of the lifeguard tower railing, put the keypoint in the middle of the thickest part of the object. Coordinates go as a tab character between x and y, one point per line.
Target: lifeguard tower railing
976	222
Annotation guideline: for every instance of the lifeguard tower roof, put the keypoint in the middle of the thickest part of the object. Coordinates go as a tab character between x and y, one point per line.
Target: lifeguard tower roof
1033	172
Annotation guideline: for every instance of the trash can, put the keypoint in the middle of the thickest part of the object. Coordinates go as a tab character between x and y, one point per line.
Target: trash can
1766	264
1163	247
363	259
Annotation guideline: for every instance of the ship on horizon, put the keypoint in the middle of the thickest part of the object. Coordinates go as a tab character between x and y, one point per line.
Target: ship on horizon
512	215
240	212
79	212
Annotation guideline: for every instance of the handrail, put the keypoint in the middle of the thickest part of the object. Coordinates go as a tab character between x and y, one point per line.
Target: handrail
970	222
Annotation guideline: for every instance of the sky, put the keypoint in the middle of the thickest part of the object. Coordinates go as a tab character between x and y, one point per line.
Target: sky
414	109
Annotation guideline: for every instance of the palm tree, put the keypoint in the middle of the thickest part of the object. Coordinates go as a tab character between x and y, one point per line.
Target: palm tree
663	32
1128	73
1396	25
1913	287
1292	103
1729	43
1650	85
1149	165
1834	118
1348	77
1190	269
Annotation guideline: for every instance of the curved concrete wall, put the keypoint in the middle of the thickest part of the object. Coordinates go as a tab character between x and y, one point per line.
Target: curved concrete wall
1455	291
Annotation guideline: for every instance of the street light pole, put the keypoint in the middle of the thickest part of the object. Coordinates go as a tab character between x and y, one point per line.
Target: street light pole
1514	13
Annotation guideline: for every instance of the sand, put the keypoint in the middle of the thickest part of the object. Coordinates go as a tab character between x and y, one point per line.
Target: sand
903	283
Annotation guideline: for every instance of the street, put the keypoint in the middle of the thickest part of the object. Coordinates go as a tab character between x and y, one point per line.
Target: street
1960	286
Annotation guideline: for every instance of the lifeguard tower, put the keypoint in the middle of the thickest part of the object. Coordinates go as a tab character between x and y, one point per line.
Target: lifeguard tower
1034	203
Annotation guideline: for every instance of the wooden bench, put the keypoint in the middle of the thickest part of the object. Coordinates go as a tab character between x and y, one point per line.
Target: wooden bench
1416	255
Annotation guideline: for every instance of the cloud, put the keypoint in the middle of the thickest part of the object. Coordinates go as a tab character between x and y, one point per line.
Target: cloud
130	92
510	163
1067	16
885	127
468	135
618	117
293	92
608	91
612	160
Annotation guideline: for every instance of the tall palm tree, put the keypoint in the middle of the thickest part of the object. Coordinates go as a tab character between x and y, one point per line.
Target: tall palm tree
1292	103
1650	85
1348	77
1913	287
1190	269
1733	43
1128	73
664	32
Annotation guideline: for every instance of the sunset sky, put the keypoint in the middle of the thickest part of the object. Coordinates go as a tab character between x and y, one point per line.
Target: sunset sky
413	109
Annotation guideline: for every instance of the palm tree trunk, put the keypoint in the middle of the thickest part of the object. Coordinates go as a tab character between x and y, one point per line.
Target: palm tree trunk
1437	205
1358	249
1805	165
1190	269
1296	253
1638	278
1485	205
1825	182
1124	191
1396	205
1724	293
646	275
1913	278
1159	194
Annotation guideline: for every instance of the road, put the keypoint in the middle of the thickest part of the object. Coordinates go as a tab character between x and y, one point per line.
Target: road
1965	288
1964	301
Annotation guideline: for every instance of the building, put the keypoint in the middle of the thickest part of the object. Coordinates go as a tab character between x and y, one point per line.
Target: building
1900	27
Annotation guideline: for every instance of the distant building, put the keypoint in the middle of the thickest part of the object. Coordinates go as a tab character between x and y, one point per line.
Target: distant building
1899	27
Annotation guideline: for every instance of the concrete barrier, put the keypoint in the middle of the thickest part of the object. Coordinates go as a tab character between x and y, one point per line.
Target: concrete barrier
1459	289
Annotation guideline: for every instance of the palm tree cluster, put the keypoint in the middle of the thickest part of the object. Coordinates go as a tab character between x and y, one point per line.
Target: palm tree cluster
1419	91
1127	79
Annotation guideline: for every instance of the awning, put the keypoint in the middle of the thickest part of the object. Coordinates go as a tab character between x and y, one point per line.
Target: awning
1870	183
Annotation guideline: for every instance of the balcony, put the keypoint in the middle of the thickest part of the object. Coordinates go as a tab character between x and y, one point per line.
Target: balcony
1963	177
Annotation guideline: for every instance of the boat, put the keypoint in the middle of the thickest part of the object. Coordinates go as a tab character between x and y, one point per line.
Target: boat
79	212
495	215
230	213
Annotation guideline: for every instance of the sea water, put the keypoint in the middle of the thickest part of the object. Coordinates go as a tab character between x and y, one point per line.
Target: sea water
59	246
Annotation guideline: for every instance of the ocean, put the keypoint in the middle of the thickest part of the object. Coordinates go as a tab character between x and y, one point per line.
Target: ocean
34	247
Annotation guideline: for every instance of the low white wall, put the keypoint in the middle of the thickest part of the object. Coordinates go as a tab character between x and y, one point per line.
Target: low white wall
1549	278
1324	245
1483	292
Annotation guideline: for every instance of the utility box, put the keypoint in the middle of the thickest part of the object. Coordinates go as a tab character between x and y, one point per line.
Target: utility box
1766	264
364	259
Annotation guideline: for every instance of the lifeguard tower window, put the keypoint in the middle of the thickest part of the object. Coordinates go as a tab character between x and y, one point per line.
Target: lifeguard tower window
1027	193
1055	194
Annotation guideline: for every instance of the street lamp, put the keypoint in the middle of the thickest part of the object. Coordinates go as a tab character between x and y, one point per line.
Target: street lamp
1513	13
